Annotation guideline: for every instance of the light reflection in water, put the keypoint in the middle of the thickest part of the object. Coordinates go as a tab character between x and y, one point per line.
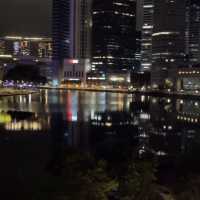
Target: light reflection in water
96	121
71	107
81	107
24	126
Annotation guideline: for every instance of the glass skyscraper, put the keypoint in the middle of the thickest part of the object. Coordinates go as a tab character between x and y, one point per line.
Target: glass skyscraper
61	28
168	44
70	32
147	29
113	35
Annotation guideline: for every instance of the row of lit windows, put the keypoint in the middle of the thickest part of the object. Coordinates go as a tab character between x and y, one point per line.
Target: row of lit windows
111	57
115	12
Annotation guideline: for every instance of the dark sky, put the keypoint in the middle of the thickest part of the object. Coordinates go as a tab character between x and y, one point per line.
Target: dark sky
25	17
30	17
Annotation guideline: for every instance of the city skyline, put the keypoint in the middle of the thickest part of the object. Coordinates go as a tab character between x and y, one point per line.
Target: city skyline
99	99
103	37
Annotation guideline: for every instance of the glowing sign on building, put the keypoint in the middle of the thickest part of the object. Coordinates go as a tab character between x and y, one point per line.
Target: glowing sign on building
73	61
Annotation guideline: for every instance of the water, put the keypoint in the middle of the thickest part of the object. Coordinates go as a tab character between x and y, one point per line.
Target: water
113	126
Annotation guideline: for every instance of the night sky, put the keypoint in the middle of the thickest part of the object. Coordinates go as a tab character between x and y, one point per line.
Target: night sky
29	17
25	17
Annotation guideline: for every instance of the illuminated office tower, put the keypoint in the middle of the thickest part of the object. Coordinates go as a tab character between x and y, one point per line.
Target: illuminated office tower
193	31
147	29
113	35
168	43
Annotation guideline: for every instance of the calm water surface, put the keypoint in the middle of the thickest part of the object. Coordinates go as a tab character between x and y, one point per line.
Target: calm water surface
35	128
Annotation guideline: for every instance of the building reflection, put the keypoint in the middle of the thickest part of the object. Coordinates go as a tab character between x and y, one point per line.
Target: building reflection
158	127
111	124
24	126
22	122
170	133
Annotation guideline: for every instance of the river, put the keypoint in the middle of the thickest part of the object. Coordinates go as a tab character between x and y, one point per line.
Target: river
35	128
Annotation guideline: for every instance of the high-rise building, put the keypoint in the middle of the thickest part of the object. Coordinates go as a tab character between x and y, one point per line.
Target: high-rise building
61	29
168	44
62	41
137	61
193	31
113	35
147	30
71	35
83	27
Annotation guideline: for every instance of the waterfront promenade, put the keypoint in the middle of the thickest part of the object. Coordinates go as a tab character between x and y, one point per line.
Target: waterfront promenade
13	91
159	93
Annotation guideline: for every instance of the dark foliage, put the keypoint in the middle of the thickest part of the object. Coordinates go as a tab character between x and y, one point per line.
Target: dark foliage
27	73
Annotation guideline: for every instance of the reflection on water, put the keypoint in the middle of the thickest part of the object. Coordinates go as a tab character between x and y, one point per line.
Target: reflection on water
151	116
18	121
108	124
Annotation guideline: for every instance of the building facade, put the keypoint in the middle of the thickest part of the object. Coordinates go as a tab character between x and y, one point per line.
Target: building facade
61	29
83	27
147	30
37	47
71	35
137	65
168	45
193	31
113	35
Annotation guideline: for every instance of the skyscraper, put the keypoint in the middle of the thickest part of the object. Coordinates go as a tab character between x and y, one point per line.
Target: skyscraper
61	35
84	27
61	28
113	35
71	32
193	31
168	44
147	29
